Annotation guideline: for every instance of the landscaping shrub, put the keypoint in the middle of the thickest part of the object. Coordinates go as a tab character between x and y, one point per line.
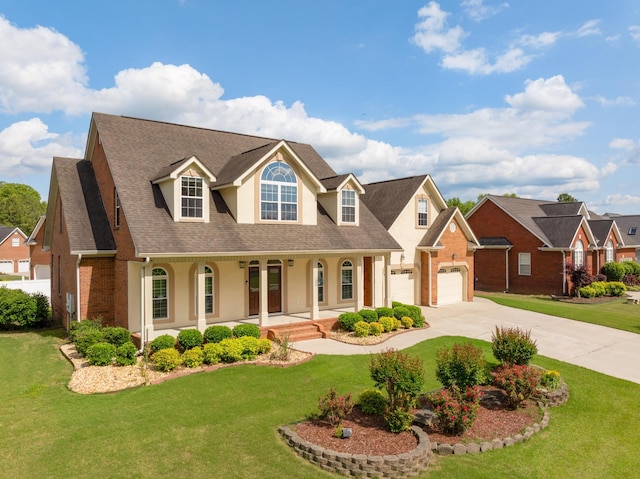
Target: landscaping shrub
189	339
212	352
77	327
406	322
246	330
580	277
550	380
361	329
368	315
87	337
616	288
164	341
264	346
631	267
194	357
613	271
398	420
513	345
402	310
167	359
349	320
388	323
216	333
518	382
630	280
600	287
231	350
588	292
415	313
101	354
376	328
283	352
462	365
126	354
249	347
400	374
43	309
116	336
372	401
382	311
335	408
17	309
456	410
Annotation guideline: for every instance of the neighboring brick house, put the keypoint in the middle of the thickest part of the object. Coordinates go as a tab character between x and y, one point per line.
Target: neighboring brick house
163	226
40	260
527	244
629	227
14	253
436	264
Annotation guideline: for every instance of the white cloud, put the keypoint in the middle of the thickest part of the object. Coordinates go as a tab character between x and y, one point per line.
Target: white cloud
622	144
551	95
618	101
28	146
477	11
41	70
589	28
432	32
634	31
621	200
542	40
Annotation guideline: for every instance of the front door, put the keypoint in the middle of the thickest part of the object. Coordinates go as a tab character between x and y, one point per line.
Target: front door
274	294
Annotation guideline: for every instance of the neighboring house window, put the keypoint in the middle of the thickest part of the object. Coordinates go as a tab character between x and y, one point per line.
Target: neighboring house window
348	206
320	283
423	212
208	290
278	193
524	264
578	255
160	298
15	242
192	197
608	252
346	275
117	210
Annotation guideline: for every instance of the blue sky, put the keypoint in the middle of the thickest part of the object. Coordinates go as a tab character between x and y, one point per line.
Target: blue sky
530	97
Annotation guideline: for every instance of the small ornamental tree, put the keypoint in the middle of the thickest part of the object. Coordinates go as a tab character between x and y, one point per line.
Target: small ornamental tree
580	277
513	346
463	365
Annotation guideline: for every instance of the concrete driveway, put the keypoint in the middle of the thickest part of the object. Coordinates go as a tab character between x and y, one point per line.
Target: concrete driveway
609	351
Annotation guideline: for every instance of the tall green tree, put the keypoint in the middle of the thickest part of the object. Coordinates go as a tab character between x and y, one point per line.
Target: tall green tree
566	198
463	206
20	206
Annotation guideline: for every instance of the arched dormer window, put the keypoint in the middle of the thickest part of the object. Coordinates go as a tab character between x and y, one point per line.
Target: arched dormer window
278	193
608	252
578	255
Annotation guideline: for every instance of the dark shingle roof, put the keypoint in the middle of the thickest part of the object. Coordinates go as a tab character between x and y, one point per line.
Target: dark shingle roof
434	232
85	218
626	225
138	150
387	199
601	229
495	241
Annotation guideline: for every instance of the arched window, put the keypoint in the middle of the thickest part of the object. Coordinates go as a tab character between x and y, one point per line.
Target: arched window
578	255
160	293
320	282
278	193
608	252
208	290
346	282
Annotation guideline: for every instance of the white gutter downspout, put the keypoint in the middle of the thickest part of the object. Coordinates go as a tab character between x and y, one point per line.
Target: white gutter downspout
78	287
430	281
143	328
506	266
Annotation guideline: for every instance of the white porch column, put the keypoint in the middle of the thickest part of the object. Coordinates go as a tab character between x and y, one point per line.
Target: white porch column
359	279
387	279
200	313
146	303
315	309
264	293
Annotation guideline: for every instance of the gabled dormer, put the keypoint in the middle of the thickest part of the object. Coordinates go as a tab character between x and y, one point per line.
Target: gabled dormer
342	199
271	185
185	187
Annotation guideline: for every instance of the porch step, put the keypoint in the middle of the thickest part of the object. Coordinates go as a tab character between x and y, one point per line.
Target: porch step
301	331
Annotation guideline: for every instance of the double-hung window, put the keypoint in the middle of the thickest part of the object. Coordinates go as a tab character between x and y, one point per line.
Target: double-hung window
348	201
423	216
191	197
278	193
524	264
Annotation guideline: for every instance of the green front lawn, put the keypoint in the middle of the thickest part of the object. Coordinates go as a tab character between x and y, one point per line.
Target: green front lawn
614	314
223	424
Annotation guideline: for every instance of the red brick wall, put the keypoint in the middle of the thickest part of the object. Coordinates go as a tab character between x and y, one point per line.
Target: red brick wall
547	273
14	253
97	288
456	243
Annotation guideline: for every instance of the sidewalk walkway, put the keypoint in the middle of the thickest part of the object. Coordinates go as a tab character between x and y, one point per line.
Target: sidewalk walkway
606	350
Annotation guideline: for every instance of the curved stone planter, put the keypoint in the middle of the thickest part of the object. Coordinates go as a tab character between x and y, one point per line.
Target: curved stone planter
360	465
554	398
475	448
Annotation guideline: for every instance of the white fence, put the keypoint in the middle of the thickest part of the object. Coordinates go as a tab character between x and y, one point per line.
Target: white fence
30	286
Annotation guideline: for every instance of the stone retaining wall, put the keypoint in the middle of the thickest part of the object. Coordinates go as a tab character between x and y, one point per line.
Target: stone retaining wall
360	465
554	398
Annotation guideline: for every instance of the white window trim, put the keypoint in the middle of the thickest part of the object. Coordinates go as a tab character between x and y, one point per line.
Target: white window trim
344	206
524	264
609	254
183	197
578	255
165	278
279	202
424	201
344	267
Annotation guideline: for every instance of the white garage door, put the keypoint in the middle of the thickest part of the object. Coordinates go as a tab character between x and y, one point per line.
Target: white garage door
42	271
450	286
6	266
402	286
23	266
